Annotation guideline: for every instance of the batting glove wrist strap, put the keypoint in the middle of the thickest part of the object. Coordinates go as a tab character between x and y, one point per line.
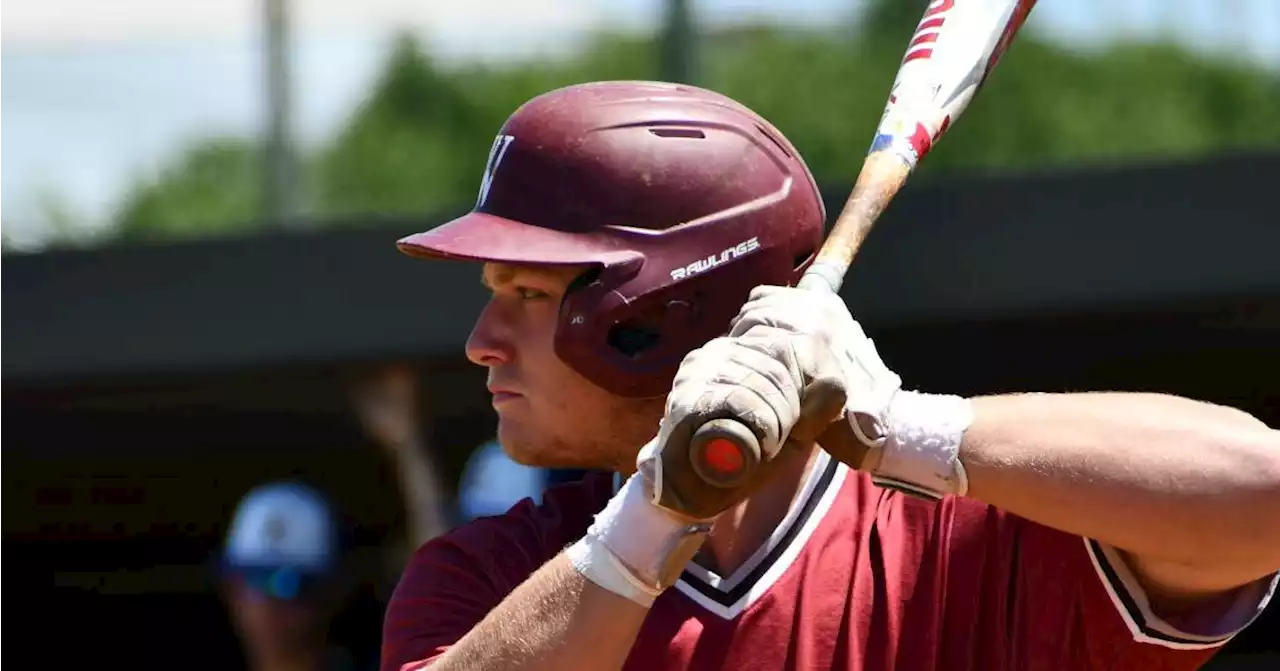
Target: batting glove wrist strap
919	452
594	561
634	548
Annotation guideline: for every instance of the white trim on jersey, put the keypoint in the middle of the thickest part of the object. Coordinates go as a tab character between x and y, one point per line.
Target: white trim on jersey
1134	606
779	532
754	578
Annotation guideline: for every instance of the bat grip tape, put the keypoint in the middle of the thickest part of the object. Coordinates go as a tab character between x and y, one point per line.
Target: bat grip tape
823	276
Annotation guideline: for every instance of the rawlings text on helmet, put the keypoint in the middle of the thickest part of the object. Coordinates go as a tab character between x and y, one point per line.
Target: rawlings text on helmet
702	265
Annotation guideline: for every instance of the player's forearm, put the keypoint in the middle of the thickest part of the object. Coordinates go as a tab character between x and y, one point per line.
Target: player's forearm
556	619
1158	476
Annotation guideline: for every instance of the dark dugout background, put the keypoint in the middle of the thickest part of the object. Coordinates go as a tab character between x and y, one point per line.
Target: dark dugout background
146	388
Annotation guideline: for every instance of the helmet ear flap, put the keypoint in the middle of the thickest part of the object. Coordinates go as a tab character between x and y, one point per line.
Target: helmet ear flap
632	340
635	336
642	333
651	329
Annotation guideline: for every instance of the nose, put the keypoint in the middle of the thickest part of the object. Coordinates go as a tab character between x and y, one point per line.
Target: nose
489	344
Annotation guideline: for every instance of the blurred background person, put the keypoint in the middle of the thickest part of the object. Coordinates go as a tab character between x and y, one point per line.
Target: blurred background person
492	482
388	401
287	571
283	579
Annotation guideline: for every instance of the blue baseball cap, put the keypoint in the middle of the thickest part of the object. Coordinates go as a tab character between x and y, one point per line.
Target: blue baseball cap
283	540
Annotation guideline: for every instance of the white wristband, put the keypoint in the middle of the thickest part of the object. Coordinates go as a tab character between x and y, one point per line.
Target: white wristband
920	454
633	548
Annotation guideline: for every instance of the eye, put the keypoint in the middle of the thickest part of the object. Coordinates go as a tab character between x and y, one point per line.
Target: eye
530	293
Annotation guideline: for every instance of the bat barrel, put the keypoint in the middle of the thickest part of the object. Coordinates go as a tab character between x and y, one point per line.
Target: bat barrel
963	42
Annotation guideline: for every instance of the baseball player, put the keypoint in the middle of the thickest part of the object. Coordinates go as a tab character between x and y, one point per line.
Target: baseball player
624	228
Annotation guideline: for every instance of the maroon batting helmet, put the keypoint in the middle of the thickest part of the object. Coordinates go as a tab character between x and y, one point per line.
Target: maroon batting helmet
681	199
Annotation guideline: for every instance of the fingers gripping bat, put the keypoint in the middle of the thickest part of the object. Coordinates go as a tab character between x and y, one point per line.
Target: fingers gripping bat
954	48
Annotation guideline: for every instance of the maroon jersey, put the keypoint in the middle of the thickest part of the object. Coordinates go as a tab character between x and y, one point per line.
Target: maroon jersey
856	577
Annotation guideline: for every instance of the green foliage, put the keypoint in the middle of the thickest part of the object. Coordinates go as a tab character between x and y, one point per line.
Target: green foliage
409	147
212	186
891	20
419	141
54	221
827	103
1133	102
64	224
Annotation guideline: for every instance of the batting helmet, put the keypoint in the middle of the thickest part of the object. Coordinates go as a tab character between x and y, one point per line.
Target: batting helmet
681	200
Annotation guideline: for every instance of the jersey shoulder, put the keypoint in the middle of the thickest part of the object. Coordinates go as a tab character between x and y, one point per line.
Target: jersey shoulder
452	581
1031	593
512	545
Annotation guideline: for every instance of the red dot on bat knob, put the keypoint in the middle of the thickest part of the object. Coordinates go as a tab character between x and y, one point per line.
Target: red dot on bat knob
723	455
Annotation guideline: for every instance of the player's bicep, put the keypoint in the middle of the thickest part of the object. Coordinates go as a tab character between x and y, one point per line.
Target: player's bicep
443	593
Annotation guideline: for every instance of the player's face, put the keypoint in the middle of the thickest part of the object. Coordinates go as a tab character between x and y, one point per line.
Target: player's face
548	414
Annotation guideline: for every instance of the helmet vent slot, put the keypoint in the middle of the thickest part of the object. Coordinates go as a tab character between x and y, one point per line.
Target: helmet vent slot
692	133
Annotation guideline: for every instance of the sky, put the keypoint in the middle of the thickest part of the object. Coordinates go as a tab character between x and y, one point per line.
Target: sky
100	93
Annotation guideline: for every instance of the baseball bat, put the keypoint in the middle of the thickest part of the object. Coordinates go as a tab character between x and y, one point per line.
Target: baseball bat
954	48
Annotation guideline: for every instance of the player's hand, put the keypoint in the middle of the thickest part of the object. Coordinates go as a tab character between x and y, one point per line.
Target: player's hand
785	385
869	383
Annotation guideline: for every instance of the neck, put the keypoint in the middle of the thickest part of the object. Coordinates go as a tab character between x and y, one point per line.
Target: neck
741	530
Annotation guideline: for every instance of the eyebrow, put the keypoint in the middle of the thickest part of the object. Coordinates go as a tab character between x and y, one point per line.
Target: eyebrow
501	275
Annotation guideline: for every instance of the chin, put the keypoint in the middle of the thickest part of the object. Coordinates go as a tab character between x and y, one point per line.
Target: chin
523	456
519	446
538	451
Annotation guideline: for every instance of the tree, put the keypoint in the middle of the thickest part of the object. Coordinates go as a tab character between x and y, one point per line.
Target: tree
412	145
678	43
893	20
213	186
419	141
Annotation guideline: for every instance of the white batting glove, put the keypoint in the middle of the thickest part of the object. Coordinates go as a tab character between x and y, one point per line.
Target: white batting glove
651	528
760	378
871	385
913	439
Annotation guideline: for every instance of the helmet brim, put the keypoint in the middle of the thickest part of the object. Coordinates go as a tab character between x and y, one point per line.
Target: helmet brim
479	236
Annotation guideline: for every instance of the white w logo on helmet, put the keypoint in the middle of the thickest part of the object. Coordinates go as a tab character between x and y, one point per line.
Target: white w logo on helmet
496	152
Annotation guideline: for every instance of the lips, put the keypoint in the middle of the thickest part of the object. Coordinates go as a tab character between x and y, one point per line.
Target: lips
501	393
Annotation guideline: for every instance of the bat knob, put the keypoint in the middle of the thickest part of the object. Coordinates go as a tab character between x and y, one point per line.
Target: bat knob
724	453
